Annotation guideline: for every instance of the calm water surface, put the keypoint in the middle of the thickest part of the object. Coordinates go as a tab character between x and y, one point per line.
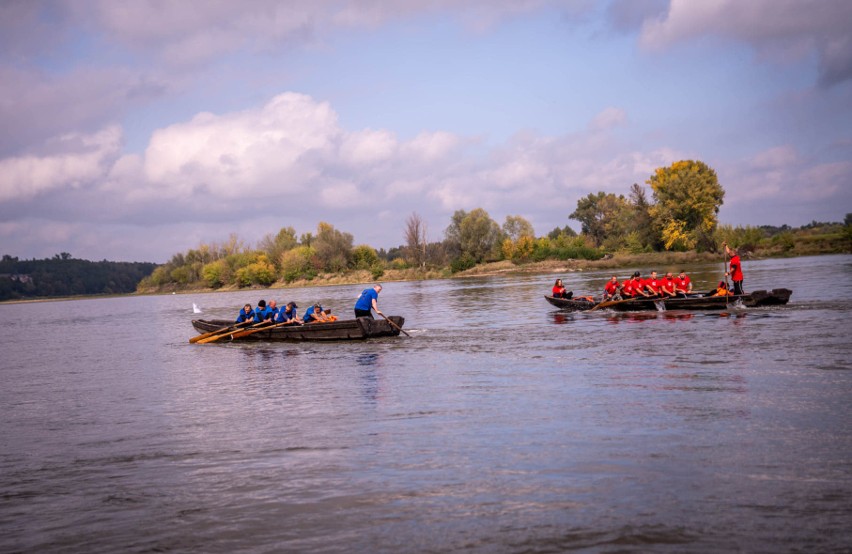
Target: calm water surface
501	425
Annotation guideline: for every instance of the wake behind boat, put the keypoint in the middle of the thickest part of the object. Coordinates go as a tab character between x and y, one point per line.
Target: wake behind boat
340	330
758	298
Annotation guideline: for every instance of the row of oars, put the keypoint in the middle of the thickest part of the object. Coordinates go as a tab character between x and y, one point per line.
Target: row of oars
234	331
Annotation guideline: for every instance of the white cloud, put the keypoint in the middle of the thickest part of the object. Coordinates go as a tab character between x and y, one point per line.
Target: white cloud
784	30
250	152
608	119
85	159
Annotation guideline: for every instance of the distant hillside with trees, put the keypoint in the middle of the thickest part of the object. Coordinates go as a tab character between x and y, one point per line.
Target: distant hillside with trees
63	275
680	215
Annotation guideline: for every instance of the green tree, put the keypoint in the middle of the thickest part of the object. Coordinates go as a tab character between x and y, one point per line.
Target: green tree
296	264
333	248
276	245
603	216
687	198
364	257
642	234
475	236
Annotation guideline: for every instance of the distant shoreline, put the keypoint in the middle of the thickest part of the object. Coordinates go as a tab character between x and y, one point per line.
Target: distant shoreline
644	262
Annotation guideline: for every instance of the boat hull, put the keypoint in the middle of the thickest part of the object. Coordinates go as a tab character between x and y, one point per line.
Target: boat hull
758	298
342	330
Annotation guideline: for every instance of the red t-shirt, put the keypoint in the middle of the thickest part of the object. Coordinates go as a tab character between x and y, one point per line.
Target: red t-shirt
682	283
558	291
611	288
736	269
627	288
654	285
637	285
668	285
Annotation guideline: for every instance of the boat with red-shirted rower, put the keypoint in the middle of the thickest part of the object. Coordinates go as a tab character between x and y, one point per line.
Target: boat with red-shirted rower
758	298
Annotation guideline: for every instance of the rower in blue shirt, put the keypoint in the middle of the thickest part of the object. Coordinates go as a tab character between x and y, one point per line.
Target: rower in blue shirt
246	314
260	311
288	314
308	317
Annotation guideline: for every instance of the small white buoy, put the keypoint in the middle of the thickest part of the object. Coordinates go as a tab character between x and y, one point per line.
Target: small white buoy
195	308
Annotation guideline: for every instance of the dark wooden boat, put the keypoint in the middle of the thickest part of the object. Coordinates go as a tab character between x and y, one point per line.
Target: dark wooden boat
758	298
572	304
348	329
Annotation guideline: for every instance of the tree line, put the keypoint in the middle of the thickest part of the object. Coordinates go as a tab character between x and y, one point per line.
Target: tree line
64	275
679	215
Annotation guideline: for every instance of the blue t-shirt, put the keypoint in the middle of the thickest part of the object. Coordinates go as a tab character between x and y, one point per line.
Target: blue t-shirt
244	316
365	301
260	314
307	317
285	315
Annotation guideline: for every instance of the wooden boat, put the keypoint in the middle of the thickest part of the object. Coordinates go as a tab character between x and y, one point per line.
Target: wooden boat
758	298
348	329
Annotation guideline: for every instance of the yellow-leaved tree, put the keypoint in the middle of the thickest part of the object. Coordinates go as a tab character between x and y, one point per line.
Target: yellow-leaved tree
688	196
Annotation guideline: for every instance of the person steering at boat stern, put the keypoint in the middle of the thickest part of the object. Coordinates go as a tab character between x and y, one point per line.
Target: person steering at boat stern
368	301
735	269
559	291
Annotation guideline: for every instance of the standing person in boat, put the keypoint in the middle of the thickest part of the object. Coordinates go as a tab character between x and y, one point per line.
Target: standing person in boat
368	301
735	269
611	290
246	314
668	288
288	314
683	284
559	291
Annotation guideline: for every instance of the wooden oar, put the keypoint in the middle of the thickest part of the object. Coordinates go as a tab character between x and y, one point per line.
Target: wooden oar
214	338
195	339
395	325
266	328
727	288
609	303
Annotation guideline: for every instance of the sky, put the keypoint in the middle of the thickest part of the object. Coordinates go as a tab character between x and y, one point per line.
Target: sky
139	129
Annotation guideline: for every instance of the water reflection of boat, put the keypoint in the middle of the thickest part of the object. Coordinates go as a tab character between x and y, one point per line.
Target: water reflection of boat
775	297
348	329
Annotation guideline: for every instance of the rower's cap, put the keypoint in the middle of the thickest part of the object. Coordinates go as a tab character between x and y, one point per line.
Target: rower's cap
261	304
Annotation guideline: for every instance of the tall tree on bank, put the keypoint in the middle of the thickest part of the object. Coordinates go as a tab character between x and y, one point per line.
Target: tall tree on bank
519	240
603	215
688	196
472	237
415	240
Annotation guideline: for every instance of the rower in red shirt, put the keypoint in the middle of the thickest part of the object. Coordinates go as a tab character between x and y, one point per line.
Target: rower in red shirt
683	284
668	286
638	285
653	285
627	290
611	289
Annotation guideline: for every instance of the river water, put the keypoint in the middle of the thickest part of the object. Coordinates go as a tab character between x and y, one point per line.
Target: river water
501	425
